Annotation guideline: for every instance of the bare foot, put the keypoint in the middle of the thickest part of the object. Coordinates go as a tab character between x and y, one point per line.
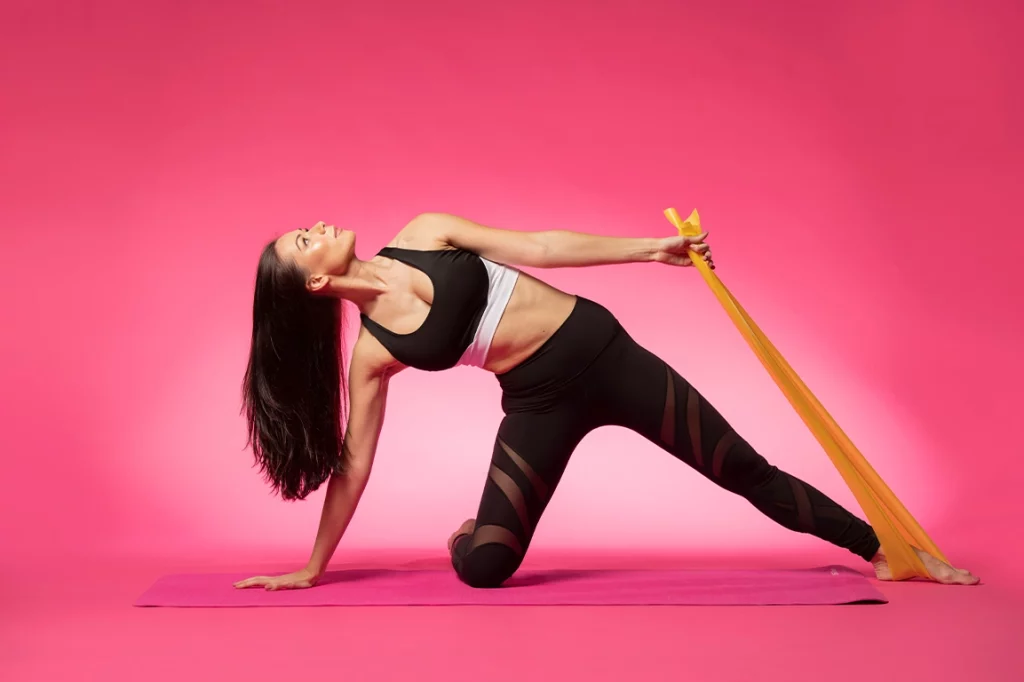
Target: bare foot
940	571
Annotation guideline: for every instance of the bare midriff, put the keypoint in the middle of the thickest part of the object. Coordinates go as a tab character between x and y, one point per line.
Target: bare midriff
534	312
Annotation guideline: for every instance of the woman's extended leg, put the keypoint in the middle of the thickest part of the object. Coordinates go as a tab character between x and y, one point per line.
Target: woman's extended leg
641	392
530	454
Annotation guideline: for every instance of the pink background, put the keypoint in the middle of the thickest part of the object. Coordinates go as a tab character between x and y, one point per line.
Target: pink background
855	170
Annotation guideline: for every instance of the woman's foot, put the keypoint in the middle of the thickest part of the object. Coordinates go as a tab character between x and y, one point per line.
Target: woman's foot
940	571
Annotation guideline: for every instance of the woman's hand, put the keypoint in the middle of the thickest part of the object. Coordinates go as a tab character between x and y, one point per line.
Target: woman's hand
292	581
675	250
468	526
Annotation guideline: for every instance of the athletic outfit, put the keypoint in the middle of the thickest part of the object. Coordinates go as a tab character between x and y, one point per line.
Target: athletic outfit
589	373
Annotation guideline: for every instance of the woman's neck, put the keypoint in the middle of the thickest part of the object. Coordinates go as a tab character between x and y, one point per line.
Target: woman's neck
361	284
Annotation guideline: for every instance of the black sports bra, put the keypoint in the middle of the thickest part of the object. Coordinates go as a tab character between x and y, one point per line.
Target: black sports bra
460	296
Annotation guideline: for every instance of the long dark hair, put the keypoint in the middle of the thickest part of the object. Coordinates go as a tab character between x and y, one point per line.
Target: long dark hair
294	387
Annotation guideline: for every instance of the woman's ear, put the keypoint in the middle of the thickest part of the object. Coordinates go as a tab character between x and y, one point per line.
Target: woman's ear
318	283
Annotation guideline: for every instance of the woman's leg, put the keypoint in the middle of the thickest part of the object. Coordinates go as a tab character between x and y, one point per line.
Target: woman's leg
642	393
530	454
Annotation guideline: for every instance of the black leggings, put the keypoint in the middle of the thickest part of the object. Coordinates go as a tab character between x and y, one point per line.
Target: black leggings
589	374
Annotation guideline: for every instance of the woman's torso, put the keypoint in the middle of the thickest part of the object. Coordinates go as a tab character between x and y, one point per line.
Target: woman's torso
533	313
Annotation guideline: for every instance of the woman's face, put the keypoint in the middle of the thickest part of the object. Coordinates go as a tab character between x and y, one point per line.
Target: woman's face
322	250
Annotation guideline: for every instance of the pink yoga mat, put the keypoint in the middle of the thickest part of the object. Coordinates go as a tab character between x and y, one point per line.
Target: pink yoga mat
376	587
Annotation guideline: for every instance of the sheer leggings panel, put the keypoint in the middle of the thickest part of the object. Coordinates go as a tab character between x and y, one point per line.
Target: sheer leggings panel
531	452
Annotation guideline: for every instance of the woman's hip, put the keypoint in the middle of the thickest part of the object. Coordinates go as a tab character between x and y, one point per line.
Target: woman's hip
540	381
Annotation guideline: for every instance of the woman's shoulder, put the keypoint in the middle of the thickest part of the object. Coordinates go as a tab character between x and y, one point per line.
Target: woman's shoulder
422	233
425	232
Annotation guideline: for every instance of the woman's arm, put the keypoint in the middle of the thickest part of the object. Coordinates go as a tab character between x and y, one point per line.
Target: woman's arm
554	248
368	389
368	386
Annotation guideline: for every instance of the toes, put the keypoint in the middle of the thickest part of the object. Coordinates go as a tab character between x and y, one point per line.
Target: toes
965	577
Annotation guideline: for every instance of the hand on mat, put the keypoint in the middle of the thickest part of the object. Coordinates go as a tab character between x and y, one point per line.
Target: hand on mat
292	581
467	527
675	250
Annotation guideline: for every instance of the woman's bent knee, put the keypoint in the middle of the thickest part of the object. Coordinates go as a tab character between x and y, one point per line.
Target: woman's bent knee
485	569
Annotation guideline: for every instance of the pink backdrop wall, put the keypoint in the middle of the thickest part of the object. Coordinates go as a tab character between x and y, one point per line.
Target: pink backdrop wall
856	170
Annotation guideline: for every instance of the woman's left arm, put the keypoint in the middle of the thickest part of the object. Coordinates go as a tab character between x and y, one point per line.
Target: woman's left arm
557	248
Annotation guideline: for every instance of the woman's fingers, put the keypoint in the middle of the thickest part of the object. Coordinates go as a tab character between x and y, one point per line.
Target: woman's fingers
294	585
686	262
682	243
679	250
282	582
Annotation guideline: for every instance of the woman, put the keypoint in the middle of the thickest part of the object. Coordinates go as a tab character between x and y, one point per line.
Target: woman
445	292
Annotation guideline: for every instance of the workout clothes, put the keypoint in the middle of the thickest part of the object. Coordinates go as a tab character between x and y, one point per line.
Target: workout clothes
470	296
590	373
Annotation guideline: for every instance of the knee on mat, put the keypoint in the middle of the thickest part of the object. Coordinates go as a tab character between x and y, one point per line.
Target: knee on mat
486	569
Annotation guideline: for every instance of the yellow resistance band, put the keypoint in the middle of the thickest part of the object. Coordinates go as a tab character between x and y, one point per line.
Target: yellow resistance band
895	527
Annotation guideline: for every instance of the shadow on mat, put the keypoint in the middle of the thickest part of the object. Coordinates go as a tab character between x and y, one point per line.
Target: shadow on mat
530	578
351	575
527	579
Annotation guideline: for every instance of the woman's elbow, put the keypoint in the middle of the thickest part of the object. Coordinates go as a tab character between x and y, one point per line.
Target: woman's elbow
539	251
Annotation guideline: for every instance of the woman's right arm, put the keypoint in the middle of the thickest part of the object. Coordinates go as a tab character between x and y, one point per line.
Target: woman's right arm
368	390
369	374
